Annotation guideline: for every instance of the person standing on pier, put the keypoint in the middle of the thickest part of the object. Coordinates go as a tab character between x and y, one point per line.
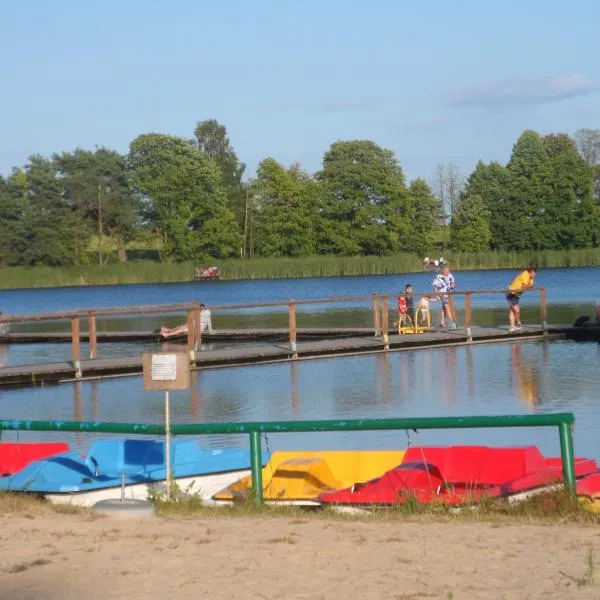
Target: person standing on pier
443	283
523	281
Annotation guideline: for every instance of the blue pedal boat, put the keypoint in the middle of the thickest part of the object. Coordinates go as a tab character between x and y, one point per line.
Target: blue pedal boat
135	466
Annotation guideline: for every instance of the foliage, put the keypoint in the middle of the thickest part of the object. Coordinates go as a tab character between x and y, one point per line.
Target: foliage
470	228
365	205
180	190
285	205
185	200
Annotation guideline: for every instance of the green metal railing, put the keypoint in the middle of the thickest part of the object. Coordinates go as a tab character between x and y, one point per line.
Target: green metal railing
563	421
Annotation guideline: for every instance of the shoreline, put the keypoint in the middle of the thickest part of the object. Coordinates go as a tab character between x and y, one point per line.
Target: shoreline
104	277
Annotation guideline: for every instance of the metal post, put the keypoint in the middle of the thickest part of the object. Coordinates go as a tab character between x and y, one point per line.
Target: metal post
76	346
376	315
385	324
543	310
567	456
92	334
191	330
168	442
292	327
468	317
256	467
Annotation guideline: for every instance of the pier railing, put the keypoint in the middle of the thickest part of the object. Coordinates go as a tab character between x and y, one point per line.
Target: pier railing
562	421
381	305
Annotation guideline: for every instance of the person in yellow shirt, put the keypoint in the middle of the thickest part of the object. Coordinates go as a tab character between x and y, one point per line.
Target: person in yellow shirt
523	281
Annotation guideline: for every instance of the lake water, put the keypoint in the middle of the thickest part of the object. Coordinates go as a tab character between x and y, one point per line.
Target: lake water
505	378
571	292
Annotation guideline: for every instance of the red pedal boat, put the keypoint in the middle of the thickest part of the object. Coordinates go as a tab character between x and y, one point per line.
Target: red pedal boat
458	475
15	456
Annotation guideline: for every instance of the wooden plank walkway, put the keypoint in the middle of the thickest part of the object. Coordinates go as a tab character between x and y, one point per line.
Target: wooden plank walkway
221	335
359	341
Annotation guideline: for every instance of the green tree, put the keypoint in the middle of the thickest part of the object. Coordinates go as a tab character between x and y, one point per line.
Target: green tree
470	227
569	207
527	195
492	182
428	213
182	197
96	187
12	206
588	144
364	203
48	225
211	138
286	210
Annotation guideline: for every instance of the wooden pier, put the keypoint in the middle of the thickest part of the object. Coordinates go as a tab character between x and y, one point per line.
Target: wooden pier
251	346
363	342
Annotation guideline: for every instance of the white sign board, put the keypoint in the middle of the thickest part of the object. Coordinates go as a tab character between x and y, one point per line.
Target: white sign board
166	371
164	367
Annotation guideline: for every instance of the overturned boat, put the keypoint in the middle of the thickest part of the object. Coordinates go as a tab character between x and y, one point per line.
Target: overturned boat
299	477
135	468
458	475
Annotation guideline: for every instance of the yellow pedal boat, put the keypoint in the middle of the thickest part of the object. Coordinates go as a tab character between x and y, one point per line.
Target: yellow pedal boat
298	477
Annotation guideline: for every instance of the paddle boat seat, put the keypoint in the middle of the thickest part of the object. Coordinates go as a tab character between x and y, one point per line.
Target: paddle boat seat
110	458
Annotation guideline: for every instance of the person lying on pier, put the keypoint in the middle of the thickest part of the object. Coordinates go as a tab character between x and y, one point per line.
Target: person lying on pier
205	325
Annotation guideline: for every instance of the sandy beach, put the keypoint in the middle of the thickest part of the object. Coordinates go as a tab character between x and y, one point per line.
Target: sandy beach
50	556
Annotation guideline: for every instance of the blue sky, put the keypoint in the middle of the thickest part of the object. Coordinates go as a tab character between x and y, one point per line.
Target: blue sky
435	81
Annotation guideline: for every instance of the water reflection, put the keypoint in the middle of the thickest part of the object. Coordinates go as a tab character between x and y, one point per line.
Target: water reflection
470	371
482	379
295	395
527	373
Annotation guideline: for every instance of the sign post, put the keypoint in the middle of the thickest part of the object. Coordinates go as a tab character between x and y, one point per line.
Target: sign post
166	371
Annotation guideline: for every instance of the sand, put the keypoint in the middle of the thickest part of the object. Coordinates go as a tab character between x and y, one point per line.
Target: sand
53	556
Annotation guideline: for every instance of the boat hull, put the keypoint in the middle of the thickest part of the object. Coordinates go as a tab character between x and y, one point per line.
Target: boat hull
202	486
298	477
460	475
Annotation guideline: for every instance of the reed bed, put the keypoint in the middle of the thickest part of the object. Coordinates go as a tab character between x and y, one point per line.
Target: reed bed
281	268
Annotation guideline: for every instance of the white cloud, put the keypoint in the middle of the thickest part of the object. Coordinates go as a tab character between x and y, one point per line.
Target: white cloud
521	91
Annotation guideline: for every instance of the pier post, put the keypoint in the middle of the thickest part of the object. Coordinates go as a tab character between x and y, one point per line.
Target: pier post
256	467
468	317
376	315
567	456
292	327
385	323
191	331
93	339
76	346
543	311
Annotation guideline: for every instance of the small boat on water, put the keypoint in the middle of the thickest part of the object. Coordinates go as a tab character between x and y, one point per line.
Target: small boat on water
298	477
460	475
138	465
15	456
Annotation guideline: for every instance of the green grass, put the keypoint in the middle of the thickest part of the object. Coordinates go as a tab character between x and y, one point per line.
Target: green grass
280	268
551	507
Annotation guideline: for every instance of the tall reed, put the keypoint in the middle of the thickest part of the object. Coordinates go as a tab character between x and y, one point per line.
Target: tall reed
279	268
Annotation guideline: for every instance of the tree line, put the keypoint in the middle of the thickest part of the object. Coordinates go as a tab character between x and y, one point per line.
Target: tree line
188	200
